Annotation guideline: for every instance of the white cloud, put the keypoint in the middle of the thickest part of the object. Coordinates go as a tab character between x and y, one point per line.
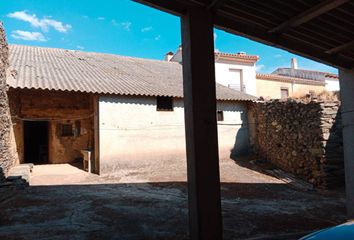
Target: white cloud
114	22
126	25
101	18
157	37
259	67
215	36
278	56
146	29
80	47
28	36
45	23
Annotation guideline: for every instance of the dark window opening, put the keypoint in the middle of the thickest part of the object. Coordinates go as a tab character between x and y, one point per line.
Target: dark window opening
284	93
220	115
164	104
67	130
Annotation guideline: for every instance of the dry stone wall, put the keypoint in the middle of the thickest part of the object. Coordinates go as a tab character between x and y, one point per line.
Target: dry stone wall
6	158
303	138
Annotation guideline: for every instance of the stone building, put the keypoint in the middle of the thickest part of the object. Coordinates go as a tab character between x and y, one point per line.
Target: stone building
126	112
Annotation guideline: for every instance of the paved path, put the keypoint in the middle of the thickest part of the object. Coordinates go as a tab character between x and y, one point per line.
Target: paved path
67	203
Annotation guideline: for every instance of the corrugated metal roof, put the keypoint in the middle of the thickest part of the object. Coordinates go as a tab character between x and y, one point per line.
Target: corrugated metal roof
71	70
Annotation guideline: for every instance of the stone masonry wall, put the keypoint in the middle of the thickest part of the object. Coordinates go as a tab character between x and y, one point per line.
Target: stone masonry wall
303	138
6	158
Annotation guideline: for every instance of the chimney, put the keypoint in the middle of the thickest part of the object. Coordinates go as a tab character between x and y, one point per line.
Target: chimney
294	63
168	56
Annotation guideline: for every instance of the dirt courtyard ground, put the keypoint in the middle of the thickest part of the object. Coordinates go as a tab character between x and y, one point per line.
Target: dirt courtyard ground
63	202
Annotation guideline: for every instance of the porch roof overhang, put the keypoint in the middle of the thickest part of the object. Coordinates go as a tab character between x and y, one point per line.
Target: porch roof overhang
322	30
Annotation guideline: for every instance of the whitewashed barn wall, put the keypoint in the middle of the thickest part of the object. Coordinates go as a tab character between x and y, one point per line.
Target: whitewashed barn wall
133	134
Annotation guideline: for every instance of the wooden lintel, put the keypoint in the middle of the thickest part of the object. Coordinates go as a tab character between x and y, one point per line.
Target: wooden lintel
340	48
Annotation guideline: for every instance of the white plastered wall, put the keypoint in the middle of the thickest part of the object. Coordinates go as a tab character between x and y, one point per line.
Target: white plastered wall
224	76
133	134
332	84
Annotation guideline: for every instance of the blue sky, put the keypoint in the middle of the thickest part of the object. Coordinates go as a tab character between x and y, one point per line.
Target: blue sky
120	27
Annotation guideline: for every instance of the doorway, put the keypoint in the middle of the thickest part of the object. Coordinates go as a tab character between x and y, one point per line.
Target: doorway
36	142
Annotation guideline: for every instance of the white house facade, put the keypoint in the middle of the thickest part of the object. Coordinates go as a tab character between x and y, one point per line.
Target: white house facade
235	71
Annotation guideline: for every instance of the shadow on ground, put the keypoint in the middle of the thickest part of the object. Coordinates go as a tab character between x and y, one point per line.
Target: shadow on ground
159	211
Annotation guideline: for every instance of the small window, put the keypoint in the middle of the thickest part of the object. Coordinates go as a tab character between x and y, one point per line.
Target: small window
164	104
67	130
220	115
284	93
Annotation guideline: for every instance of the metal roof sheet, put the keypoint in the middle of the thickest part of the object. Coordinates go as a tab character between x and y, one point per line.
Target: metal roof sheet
71	70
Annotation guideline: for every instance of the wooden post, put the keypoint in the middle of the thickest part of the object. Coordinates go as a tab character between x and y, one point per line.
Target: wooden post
346	79
96	126
205	218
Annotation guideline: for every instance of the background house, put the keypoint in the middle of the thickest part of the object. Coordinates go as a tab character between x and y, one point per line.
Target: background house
276	86
238	71
235	71
128	112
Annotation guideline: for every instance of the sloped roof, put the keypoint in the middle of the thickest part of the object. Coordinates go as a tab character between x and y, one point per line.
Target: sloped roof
283	78
303	73
71	70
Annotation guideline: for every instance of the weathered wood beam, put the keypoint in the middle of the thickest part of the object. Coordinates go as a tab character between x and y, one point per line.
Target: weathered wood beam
238	26
215	4
205	218
340	48
309	14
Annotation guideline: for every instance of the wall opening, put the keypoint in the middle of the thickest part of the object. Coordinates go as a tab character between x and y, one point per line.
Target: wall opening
36	142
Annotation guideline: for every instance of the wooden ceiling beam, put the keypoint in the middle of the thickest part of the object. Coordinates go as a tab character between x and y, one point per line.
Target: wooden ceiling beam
340	48
231	23
285	42
215	4
307	15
